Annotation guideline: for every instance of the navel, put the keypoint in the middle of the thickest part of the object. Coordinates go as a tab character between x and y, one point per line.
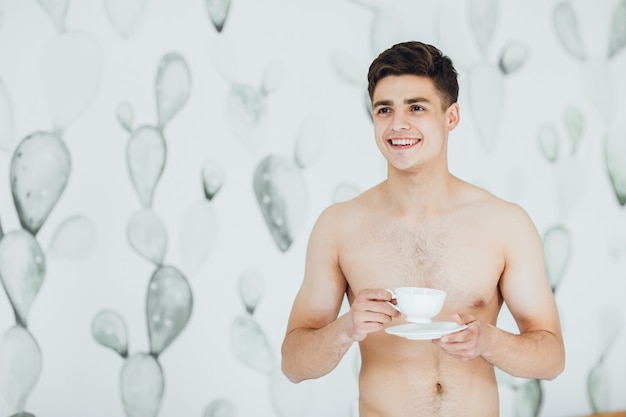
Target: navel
438	388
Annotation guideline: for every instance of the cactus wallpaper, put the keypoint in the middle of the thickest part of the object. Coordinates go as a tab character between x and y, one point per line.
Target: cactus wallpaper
162	163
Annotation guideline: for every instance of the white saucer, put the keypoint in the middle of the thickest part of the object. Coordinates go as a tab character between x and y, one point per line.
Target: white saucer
425	331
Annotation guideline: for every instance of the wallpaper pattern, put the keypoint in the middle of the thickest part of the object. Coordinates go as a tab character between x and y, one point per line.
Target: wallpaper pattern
211	266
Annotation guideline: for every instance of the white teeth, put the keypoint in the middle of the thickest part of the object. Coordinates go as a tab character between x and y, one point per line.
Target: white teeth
403	142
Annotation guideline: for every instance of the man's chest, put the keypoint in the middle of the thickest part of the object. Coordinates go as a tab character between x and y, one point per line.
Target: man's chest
457	259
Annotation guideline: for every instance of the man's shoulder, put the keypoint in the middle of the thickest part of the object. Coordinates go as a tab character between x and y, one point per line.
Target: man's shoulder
480	195
347	212
492	205
361	201
344	209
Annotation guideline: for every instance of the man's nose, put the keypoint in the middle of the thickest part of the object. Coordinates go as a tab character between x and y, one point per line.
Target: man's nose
399	122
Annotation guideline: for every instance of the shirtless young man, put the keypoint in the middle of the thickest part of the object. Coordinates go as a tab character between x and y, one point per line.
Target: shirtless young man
423	227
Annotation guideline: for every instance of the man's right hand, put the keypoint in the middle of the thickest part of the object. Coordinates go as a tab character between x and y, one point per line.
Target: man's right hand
369	313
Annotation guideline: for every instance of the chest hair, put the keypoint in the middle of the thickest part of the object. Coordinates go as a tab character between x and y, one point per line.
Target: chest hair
416	256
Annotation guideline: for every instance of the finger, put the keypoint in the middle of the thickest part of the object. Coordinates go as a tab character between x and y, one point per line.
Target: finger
371	316
382	294
379	318
463	318
367	327
370	327
450	348
377	294
458	350
383	307
457	337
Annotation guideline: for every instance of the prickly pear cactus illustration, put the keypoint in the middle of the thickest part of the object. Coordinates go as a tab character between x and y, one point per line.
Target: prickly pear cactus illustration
598	379
486	85
7	119
596	79
252	347
169	298
246	104
218	12
615	160
562	155
39	172
597	82
386	28
280	187
125	16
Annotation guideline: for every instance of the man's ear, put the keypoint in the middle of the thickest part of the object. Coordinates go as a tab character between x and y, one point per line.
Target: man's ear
453	116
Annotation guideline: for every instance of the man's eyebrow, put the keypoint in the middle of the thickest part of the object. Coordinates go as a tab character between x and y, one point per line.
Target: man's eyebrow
416	100
382	103
412	100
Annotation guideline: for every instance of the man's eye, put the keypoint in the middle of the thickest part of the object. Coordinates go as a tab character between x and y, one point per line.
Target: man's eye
417	108
383	110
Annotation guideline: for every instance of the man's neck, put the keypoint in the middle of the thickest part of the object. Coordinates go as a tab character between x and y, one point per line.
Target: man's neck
419	193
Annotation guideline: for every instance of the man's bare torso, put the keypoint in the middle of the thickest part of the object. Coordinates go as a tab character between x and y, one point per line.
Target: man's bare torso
459	251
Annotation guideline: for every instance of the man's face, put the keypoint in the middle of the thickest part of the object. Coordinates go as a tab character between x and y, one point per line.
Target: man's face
410	125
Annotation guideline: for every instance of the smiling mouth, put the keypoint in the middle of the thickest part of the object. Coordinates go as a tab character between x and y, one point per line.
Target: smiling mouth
403	142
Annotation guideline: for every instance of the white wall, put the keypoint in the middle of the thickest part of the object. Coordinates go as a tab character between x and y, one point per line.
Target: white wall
289	45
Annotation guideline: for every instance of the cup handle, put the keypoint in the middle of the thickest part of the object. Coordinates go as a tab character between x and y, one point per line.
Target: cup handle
393	296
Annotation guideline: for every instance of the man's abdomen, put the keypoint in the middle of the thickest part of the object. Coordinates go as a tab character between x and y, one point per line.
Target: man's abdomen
415	378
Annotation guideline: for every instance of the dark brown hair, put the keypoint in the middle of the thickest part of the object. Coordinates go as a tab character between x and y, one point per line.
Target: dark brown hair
416	58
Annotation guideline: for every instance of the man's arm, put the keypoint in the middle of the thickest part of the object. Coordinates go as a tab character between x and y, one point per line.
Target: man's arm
316	338
538	351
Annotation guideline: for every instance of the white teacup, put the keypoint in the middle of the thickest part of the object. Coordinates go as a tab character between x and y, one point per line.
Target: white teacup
418	304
